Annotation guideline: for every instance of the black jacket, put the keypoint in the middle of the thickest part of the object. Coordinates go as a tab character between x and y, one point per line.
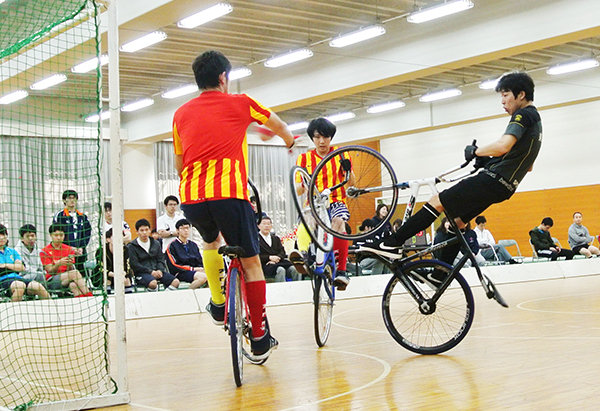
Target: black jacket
142	262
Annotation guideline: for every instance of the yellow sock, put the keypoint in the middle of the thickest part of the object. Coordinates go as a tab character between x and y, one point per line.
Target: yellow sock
302	238
213	267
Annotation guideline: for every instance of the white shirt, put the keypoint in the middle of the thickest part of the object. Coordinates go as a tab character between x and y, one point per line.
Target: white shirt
144	245
484	237
164	222
267	238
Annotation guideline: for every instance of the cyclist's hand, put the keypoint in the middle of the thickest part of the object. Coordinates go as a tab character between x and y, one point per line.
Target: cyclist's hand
470	152
481	162
346	164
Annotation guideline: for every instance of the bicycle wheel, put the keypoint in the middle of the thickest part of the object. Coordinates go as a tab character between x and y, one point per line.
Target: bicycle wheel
323	306
374	181
235	322
299	183
424	333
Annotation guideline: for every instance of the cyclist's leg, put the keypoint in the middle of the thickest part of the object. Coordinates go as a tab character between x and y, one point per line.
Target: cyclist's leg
213	267
256	294
302	238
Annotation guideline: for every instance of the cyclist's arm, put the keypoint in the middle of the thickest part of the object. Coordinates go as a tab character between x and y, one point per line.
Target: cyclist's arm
280	128
497	148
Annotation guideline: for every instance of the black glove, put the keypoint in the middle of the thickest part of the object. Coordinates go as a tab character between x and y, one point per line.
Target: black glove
470	152
346	164
481	162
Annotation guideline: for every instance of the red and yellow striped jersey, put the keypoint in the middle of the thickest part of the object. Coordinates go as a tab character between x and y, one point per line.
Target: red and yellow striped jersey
330	176
210	133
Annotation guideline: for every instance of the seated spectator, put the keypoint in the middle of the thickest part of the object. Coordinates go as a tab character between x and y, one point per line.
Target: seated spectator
59	261
272	254
183	257
580	239
154	234
488	245
544	244
370	265
380	214
98	277
442	233
30	254
108	223
397	224
148	261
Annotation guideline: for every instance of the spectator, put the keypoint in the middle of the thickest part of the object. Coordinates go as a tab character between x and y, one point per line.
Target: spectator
370	265
272	254
148	261
183	257
98	277
381	213
580	239
442	233
489	248
396	224
76	226
108	223
59	261
166	222
544	244
30	254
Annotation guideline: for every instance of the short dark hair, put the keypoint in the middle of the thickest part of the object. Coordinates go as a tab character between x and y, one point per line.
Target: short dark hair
3	229
142	222
516	82
208	66
265	217
181	222
577	212
54	227
27	228
367	223
68	193
170	198
322	126
107	205
480	220
548	221
108	233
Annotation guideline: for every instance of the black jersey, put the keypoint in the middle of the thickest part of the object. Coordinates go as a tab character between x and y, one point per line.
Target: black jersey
526	125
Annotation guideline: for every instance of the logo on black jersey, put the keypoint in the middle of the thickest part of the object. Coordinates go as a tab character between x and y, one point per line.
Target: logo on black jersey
518	118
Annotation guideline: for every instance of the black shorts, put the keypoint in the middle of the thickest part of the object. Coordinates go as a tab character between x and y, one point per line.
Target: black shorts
578	248
472	196
232	217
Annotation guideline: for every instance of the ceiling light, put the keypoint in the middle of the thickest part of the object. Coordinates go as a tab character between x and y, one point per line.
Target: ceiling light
94	118
144	41
573	66
298	126
362	34
288	58
379	108
90	64
14	96
48	82
181	91
440	95
239	73
136	105
440	10
489	84
205	16
341	116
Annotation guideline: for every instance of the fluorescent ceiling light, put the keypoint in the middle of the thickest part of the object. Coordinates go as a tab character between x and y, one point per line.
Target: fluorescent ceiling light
288	58
144	41
205	16
489	84
136	105
440	10
239	73
341	116
298	126
49	82
440	95
362	34
573	66
181	91
94	118
90	64
379	108
14	96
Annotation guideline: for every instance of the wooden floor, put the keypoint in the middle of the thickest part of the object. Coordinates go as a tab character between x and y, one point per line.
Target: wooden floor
543	353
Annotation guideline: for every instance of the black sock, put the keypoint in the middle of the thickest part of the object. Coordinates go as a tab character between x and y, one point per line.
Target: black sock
417	223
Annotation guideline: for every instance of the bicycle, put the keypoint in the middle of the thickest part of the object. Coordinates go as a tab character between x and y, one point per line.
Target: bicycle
422	319
323	270
237	314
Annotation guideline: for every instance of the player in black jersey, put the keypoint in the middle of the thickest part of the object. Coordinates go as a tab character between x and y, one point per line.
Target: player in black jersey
503	165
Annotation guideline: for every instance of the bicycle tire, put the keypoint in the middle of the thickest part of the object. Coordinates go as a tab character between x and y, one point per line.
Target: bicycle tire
432	333
235	323
299	176
323	306
374	178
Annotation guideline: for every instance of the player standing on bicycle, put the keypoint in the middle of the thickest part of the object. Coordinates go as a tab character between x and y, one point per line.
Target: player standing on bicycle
321	132
504	164
211	151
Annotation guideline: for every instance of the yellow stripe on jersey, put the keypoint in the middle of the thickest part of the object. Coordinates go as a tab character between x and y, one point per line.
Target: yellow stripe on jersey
239	189
225	173
183	184
258	116
195	178
209	187
177	141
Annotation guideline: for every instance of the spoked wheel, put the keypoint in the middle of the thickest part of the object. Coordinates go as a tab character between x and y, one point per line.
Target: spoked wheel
374	179
299	183
323	306
433	328
235	322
